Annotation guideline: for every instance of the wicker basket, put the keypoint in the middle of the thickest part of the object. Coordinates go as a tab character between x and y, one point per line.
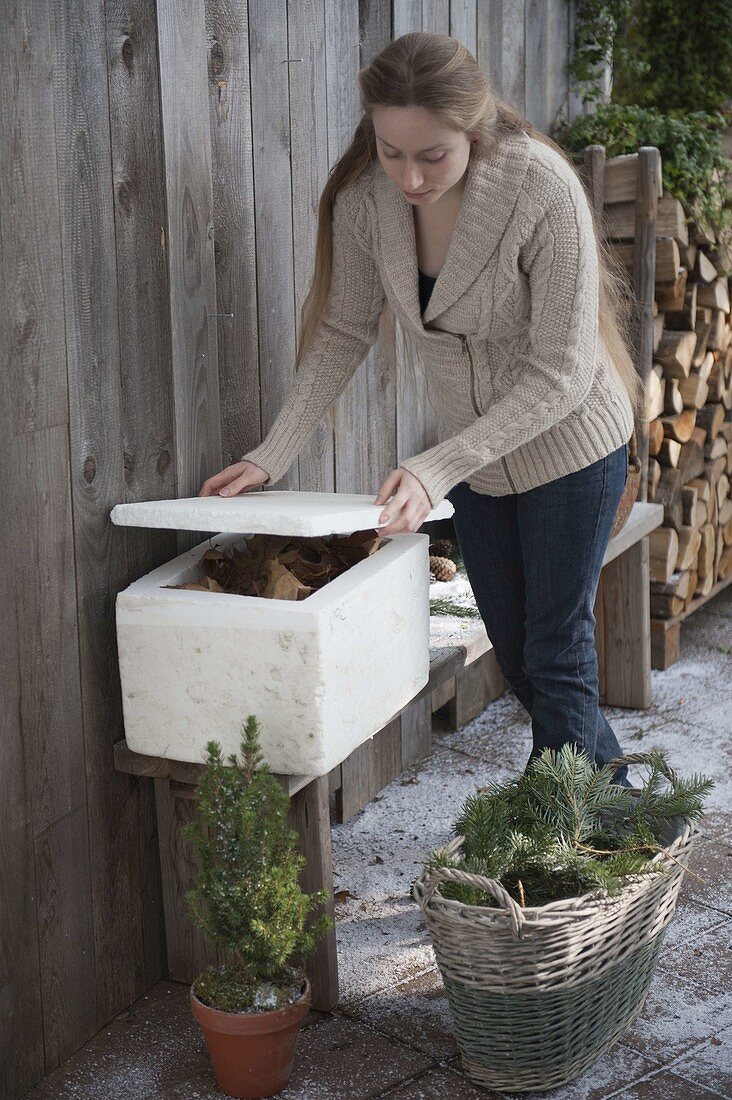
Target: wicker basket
632	485
537	994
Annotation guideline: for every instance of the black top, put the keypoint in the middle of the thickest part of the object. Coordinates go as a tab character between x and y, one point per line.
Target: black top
426	286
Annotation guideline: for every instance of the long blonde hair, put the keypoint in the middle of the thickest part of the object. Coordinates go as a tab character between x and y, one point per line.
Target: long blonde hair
438	72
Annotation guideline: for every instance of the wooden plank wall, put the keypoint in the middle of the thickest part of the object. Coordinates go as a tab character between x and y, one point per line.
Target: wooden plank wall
87	422
160	171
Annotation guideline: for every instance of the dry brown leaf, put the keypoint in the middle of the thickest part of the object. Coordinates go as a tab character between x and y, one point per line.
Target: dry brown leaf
343	895
282	584
282	567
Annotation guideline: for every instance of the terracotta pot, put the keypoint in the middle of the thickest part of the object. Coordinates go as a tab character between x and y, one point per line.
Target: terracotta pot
251	1052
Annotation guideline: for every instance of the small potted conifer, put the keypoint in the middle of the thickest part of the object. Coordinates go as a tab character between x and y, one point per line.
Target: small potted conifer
247	898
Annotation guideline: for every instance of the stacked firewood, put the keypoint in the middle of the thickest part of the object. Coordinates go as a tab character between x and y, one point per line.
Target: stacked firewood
690	411
690	435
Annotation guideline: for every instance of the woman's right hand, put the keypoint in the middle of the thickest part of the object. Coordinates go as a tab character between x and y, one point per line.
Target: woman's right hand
234	479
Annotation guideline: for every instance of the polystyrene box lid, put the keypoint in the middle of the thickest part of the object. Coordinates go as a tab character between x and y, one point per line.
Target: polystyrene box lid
273	512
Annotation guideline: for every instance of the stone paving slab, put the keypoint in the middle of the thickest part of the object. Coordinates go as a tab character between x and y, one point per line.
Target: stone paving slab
718	825
334	1059
710	1063
440	1084
679	1015
128	1060
667	1086
706	959
608	1076
611	1073
415	1012
712	860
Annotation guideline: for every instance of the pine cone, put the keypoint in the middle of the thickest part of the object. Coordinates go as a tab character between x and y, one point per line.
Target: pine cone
443	568
441	548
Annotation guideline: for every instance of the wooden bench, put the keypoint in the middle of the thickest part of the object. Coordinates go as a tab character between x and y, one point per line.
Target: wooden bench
464	677
623	612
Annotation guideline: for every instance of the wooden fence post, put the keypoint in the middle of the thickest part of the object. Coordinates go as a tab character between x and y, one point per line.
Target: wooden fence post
644	276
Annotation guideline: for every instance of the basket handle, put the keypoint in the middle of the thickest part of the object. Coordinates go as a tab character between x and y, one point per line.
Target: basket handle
643	758
430	882
490	885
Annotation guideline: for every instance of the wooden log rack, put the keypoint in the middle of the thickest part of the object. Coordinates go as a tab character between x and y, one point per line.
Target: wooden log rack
682	341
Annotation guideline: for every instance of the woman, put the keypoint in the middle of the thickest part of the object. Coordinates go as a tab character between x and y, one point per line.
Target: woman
449	210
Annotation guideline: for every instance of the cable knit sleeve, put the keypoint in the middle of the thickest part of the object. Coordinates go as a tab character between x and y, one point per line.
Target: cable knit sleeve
347	330
556	372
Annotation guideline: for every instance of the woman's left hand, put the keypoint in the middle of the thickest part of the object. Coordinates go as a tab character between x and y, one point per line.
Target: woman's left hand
409	507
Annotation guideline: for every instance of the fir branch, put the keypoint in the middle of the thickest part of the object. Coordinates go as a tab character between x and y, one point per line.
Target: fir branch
639	848
562	828
441	605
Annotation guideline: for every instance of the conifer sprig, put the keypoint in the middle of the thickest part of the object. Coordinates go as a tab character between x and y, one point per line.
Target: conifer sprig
563	828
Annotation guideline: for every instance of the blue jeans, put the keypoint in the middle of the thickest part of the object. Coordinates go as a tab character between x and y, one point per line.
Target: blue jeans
533	560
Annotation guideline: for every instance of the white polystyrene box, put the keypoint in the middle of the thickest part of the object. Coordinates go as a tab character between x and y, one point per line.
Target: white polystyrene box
321	674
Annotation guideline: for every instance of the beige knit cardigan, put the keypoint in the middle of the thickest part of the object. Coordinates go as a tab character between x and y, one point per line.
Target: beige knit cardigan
523	387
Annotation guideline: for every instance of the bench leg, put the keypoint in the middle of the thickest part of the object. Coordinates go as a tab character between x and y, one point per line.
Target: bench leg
626	618
665	642
310	817
476	685
416	731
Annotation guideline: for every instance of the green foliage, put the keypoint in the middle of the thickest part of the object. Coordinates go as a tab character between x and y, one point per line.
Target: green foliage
562	828
675	55
597	39
694	167
247	896
440	605
667	54
230	990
